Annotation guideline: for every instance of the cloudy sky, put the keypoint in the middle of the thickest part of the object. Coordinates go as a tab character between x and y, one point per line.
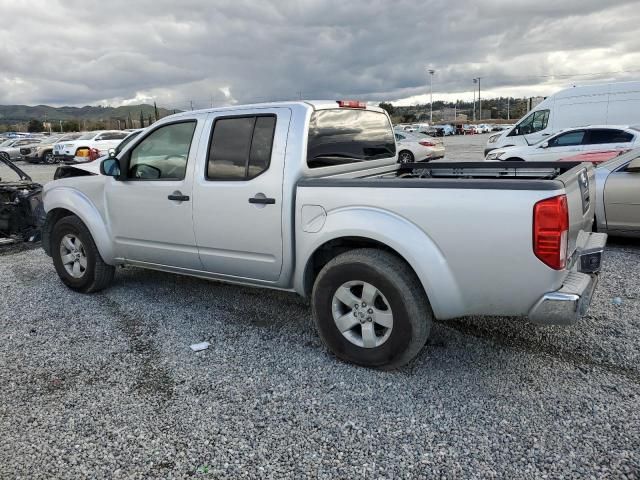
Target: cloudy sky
77	52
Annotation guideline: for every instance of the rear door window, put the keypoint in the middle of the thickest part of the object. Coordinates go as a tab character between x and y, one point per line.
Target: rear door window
342	136
240	147
607	135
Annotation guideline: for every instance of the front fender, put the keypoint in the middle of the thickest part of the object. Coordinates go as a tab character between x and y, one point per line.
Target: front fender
80	205
399	234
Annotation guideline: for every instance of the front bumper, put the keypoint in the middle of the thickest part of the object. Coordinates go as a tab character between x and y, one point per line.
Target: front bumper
571	302
60	158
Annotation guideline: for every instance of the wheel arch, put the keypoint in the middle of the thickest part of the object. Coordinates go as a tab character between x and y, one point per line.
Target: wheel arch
62	202
370	228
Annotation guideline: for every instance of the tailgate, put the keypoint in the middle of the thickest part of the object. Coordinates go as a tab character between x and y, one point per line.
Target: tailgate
580	187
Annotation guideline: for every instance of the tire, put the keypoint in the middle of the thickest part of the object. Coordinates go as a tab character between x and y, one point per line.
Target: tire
405	156
5	155
96	274
48	158
397	288
514	159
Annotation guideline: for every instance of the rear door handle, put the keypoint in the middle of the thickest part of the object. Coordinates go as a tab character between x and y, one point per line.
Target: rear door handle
178	197
262	200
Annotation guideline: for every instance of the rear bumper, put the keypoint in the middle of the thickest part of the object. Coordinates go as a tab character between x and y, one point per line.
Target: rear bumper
571	302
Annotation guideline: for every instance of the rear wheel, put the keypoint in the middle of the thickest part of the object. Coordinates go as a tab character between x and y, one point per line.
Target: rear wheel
370	309
76	257
515	159
405	156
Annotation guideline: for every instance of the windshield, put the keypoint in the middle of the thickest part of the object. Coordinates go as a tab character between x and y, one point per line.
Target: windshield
342	136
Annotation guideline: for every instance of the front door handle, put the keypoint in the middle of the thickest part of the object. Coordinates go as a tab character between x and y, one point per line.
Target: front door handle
178	197
262	200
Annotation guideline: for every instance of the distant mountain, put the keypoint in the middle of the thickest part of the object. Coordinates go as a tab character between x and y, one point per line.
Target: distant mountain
23	113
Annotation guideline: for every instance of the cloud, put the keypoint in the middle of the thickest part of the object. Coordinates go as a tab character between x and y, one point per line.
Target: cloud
236	51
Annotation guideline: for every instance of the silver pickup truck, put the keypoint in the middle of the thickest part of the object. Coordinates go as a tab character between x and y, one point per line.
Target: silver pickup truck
309	197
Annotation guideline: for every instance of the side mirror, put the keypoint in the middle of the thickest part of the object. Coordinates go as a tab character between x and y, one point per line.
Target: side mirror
110	167
634	166
544	145
112	153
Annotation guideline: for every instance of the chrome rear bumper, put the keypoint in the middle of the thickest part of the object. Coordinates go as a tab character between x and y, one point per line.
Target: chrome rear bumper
566	305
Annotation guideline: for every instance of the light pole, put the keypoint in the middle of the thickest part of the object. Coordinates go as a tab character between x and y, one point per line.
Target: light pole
479	101
474	99
431	72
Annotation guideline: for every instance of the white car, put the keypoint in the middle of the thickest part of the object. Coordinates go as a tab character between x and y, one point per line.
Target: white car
417	147
101	140
572	141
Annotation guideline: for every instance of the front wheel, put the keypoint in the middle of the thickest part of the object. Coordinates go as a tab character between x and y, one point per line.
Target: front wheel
370	309
76	257
515	159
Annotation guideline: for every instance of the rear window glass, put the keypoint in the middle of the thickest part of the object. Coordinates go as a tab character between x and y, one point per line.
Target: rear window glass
342	136
609	136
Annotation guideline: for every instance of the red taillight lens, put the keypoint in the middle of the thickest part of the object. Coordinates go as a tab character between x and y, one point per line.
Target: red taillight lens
427	144
550	231
352	104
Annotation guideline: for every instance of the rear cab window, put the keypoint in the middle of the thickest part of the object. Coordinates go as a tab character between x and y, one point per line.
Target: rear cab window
342	136
607	135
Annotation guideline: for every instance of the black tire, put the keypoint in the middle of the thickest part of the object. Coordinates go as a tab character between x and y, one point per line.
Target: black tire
5	155
98	275
47	157
408	157
412	314
514	159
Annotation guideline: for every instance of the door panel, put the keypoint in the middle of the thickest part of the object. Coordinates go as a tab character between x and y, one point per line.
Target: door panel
622	201
146	224
238	222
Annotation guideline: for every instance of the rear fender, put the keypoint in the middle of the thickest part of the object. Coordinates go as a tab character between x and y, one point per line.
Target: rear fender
399	234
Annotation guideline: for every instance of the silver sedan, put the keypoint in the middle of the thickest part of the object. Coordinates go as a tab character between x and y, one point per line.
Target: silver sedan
618	195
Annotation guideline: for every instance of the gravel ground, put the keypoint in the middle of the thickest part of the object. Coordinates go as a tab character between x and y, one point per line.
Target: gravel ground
105	386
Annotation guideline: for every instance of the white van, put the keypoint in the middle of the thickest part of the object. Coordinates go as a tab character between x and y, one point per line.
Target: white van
604	104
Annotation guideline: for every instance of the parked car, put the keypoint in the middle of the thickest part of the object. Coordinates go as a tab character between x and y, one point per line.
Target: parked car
439	131
604	104
618	195
418	147
43	152
21	210
10	149
95	154
309	197
101	140
571	142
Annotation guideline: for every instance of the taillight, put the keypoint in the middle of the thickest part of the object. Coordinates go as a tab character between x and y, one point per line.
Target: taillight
352	104
550	231
427	144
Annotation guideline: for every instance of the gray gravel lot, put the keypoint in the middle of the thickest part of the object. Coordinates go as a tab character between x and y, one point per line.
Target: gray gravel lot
105	386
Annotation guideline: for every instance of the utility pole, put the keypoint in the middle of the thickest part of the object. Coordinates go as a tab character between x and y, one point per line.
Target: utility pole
508	113
474	100
299	94
191	103
431	72
479	101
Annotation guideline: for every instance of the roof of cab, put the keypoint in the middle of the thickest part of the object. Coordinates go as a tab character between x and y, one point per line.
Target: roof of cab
315	104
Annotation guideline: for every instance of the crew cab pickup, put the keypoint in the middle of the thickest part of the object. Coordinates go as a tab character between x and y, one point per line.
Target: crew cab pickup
309	197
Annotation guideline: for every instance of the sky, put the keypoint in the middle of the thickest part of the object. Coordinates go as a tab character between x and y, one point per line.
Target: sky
219	52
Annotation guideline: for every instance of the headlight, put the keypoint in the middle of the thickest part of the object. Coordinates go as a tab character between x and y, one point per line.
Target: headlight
494	138
494	155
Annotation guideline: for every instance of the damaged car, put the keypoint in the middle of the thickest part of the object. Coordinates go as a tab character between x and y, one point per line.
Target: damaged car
21	210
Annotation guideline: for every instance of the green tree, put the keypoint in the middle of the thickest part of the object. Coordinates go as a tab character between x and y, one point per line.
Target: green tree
388	107
150	120
35	126
141	119
155	110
